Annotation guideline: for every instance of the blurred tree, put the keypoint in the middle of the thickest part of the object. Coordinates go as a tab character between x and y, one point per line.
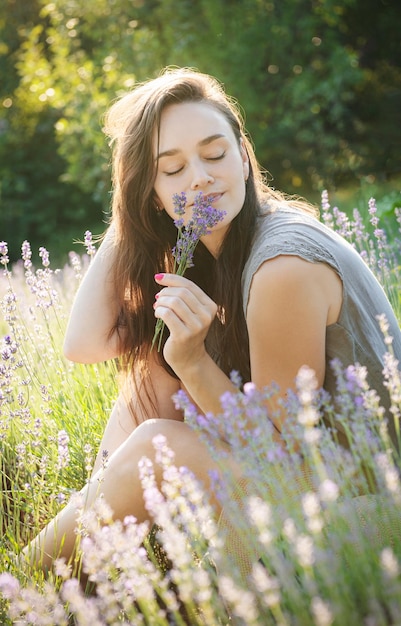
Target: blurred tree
319	80
317	113
37	201
373	29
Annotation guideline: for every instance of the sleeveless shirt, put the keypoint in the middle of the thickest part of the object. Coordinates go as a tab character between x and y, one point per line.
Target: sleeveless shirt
356	337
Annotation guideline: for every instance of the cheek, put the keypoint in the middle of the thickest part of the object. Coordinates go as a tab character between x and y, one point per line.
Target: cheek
163	191
239	169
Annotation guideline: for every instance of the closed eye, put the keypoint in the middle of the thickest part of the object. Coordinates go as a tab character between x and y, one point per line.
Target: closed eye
217	158
174	172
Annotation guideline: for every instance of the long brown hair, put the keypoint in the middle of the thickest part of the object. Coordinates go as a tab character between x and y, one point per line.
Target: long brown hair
145	236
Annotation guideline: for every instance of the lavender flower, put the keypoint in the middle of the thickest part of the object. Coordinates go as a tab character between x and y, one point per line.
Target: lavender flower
204	218
321	612
75	263
374	220
26	254
63	452
44	255
90	248
389	563
4	253
9	586
326	214
342	223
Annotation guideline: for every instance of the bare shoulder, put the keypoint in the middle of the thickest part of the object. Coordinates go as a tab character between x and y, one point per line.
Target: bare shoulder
291	302
291	268
286	279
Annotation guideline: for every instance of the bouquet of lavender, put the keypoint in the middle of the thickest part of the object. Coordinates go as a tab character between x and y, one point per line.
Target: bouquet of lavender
204	217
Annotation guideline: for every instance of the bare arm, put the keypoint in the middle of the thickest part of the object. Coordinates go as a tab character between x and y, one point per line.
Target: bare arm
94	311
188	313
291	302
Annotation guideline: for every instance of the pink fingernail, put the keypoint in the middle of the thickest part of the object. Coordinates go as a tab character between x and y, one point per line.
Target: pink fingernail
156	296
159	276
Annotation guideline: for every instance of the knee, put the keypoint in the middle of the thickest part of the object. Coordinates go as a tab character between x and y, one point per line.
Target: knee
144	434
140	442
123	463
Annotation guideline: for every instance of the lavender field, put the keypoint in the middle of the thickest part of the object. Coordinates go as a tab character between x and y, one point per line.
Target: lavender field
290	548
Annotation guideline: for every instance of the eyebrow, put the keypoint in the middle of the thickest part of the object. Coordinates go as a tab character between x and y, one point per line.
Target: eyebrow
203	142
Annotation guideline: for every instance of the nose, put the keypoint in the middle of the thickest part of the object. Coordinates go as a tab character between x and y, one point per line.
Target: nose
200	176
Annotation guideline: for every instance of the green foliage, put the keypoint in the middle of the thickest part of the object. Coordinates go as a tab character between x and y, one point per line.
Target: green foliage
35	203
320	82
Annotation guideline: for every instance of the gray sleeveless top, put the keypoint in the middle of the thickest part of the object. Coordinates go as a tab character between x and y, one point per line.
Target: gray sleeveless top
356	337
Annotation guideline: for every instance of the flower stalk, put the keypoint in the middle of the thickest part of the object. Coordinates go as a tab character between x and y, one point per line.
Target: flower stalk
204	218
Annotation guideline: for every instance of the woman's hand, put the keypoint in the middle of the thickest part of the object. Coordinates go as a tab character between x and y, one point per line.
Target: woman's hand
188	313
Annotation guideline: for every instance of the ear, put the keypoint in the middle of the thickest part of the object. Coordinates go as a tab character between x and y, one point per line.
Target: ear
245	159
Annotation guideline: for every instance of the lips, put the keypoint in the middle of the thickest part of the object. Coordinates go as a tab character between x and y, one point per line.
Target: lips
213	197
209	197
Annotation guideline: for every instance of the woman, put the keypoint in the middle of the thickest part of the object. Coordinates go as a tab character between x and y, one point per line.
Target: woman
271	289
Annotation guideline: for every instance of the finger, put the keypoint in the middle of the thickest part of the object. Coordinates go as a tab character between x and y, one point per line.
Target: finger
192	300
187	309
173	280
180	329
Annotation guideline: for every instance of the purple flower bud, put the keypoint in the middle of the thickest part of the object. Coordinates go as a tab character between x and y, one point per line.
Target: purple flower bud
26	254
90	248
3	253
9	586
44	255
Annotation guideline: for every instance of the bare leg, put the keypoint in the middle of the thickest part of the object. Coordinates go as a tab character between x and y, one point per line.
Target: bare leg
128	412
120	485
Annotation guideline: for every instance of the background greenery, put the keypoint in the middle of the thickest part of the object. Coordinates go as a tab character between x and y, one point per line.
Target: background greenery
319	80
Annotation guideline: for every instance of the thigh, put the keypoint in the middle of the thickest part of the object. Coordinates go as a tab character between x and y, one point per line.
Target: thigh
141	398
120	425
188	449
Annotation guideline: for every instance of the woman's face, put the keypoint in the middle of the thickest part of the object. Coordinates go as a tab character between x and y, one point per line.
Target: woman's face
198	151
